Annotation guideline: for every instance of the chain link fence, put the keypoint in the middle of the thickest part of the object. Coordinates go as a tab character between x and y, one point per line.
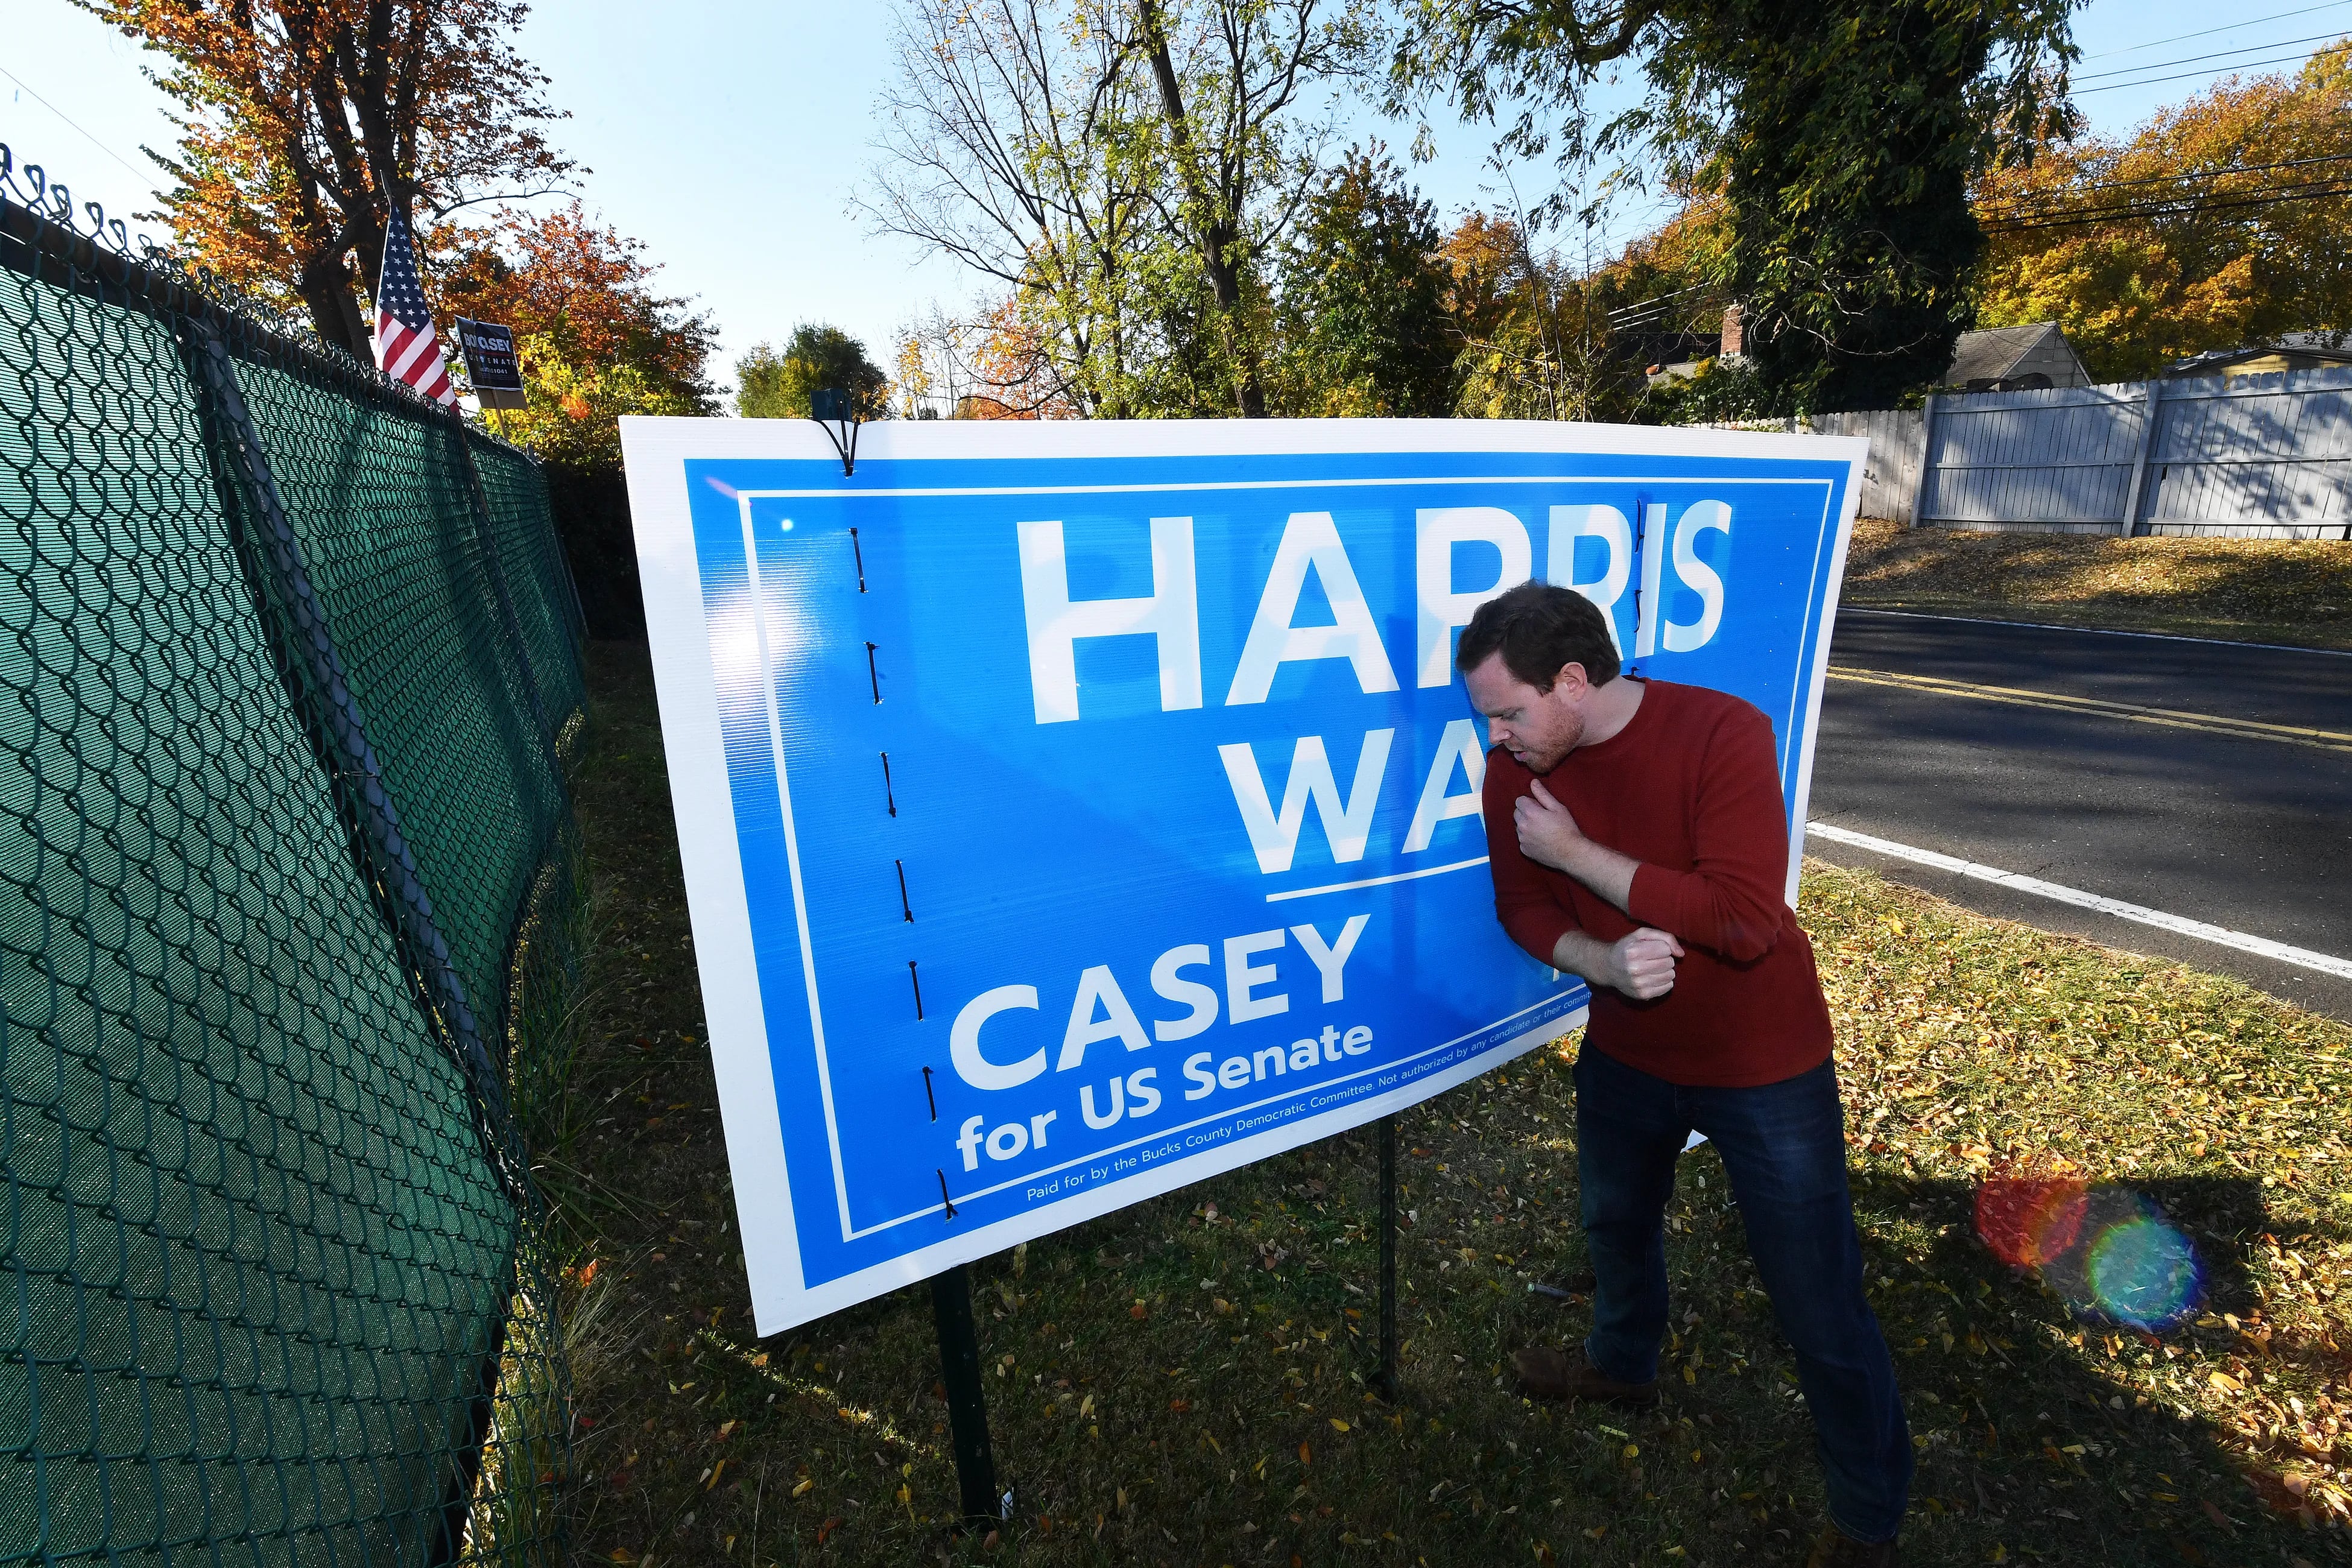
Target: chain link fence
288	662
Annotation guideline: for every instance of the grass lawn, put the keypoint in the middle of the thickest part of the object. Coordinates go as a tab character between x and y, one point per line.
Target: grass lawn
2247	590
1183	1382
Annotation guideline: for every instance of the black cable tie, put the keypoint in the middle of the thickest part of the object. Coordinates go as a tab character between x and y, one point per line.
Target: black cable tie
943	1192
904	907
872	674
928	1095
918	989
889	799
861	560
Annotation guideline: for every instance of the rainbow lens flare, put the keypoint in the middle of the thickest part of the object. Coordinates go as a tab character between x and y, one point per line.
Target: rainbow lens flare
2108	1251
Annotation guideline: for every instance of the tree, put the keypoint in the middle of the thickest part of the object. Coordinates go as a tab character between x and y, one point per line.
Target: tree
1012	141
306	123
1842	137
1240	167
2219	222
1121	169
773	386
1361	325
595	340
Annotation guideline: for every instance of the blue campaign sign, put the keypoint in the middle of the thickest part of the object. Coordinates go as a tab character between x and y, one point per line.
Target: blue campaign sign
1072	810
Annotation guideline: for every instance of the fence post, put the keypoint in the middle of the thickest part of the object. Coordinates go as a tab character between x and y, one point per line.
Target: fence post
2140	464
1923	499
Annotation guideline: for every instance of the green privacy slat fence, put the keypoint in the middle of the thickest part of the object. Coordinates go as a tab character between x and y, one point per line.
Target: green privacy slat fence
271	1281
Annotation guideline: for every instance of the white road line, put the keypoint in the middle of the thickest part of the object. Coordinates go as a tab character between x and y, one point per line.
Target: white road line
2096	631
2302	957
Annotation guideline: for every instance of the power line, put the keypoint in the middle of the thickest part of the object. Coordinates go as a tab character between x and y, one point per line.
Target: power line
2029	206
2184	76
2218	54
2315	191
2209	32
68	119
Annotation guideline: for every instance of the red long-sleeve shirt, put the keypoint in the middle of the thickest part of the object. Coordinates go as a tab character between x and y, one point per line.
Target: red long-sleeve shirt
1691	789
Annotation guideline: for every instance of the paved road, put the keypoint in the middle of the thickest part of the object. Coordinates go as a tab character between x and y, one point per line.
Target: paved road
2251	834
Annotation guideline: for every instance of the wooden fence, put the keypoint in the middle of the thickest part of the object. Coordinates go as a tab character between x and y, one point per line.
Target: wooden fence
2266	457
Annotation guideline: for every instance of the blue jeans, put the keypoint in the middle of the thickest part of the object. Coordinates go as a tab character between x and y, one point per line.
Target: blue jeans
1783	1147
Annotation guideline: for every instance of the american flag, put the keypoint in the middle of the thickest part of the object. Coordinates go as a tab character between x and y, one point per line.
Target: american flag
404	344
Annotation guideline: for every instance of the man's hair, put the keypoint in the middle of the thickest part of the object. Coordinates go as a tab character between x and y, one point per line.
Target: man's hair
1538	627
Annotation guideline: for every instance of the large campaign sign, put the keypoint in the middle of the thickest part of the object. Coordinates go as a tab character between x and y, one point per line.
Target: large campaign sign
1075	810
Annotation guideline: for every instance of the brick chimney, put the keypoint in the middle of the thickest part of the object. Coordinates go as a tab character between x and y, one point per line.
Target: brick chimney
1733	337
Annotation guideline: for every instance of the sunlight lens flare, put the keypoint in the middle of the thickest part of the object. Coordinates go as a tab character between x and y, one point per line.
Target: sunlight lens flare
2108	1251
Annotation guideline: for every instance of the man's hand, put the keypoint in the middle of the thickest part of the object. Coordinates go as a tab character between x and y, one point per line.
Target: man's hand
1548	832
1548	835
1641	965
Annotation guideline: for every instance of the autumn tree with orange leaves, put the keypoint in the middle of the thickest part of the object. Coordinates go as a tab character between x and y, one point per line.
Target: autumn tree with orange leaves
305	124
594	337
2223	221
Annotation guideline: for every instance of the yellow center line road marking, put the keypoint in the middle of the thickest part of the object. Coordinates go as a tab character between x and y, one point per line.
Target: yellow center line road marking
2134	712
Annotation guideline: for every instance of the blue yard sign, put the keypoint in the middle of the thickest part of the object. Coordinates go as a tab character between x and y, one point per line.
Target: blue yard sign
1072	810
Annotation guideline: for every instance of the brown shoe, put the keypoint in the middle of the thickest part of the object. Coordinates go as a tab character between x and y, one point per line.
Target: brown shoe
1836	1549
1569	1374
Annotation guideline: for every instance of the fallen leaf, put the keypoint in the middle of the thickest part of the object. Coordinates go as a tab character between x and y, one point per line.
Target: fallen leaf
1181	1406
1306	1455
803	1490
1337	1424
1138	1311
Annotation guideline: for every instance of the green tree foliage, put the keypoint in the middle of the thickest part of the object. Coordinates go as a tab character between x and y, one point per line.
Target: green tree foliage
773	386
1842	137
1361	318
1124	174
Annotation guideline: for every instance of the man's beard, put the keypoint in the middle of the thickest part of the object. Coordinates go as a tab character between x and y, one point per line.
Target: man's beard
1552	756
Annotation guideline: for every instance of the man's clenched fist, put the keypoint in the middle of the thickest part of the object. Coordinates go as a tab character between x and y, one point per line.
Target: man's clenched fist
1641	965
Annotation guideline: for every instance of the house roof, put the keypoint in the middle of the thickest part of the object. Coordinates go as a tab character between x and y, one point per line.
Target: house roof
2312	348
1993	352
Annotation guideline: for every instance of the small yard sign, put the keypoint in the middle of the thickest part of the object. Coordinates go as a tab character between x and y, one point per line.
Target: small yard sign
490	362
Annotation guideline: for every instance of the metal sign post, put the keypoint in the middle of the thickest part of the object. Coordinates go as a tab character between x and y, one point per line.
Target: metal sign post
1387	1382
967	1407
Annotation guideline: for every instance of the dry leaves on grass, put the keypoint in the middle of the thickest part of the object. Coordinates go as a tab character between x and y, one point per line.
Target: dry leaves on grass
2299	589
1970	1045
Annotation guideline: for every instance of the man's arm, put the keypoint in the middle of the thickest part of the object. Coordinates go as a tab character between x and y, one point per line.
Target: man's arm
1641	965
1547	834
1730	900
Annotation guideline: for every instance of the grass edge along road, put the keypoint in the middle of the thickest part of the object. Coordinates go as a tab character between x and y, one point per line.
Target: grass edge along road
2294	592
1183	1382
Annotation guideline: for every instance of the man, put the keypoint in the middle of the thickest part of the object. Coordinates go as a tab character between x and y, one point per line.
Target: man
1637	839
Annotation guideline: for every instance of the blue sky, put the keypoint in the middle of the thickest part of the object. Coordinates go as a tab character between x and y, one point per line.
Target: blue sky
730	138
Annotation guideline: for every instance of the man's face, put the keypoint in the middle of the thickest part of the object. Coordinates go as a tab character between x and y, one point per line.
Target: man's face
1537	728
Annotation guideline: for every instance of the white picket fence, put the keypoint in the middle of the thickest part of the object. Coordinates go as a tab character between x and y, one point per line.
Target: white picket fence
2266	457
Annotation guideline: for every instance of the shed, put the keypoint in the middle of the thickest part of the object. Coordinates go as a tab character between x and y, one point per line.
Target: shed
2015	359
2296	351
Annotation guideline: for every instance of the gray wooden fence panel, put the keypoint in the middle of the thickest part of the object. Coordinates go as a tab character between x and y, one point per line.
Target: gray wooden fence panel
2062	456
2267	451
2267	456
1890	479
